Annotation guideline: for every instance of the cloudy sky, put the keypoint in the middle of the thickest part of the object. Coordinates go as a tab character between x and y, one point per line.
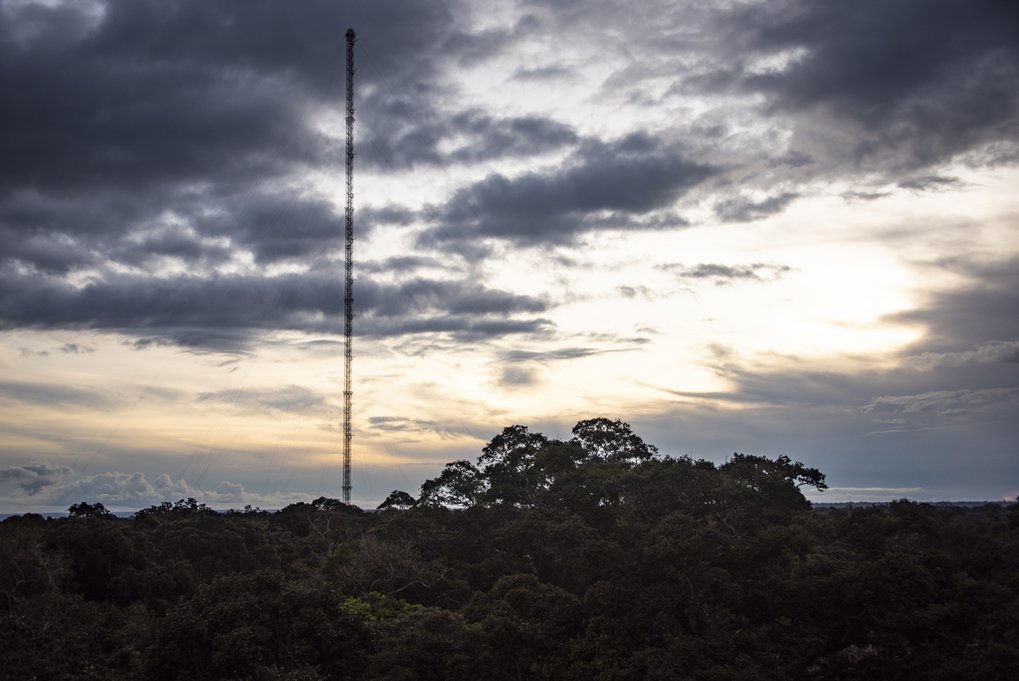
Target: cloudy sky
778	227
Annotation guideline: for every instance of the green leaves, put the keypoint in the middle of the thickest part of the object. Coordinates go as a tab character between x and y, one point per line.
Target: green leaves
592	558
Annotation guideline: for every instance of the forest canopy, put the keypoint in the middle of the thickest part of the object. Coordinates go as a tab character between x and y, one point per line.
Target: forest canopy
595	557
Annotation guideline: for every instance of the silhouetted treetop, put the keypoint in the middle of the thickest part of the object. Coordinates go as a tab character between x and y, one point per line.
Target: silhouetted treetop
611	440
87	510
595	557
606	465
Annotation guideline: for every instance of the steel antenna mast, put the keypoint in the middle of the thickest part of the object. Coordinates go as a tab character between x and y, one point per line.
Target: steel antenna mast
348	295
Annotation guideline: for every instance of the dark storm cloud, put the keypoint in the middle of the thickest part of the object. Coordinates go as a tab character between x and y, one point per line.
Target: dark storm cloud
411	119
399	134
919	80
172	243
276	226
141	131
802	90
59	233
151	131
142	91
201	229
462	309
224	312
490	137
112	116
127	111
158	133
424	295
603	184
468	46
53	254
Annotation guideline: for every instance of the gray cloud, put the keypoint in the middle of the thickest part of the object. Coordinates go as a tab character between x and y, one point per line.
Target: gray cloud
488	137
460	328
954	390
409	129
76	349
945	402
154	135
402	264
918	81
985	311
276	226
743	209
201	229
521	368
160	136
402	424
519	376
994	352
958	443
405	138
225	312
44	485
135	491
173	161
51	394
391	214
551	355
289	399
726	274
602	185
31	478
153	91
543	73
864	196
637	291
930	183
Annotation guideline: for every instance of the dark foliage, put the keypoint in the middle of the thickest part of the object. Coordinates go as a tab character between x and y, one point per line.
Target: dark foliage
592	558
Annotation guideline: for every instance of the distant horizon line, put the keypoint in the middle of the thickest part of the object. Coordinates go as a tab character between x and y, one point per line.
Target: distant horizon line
120	513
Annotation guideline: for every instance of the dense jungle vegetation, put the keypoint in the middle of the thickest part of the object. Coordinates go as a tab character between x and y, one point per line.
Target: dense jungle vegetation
594	558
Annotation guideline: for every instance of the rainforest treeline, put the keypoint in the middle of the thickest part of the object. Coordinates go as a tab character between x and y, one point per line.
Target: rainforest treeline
594	558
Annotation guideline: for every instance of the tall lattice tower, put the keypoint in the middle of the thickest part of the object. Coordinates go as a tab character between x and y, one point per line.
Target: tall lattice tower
348	295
